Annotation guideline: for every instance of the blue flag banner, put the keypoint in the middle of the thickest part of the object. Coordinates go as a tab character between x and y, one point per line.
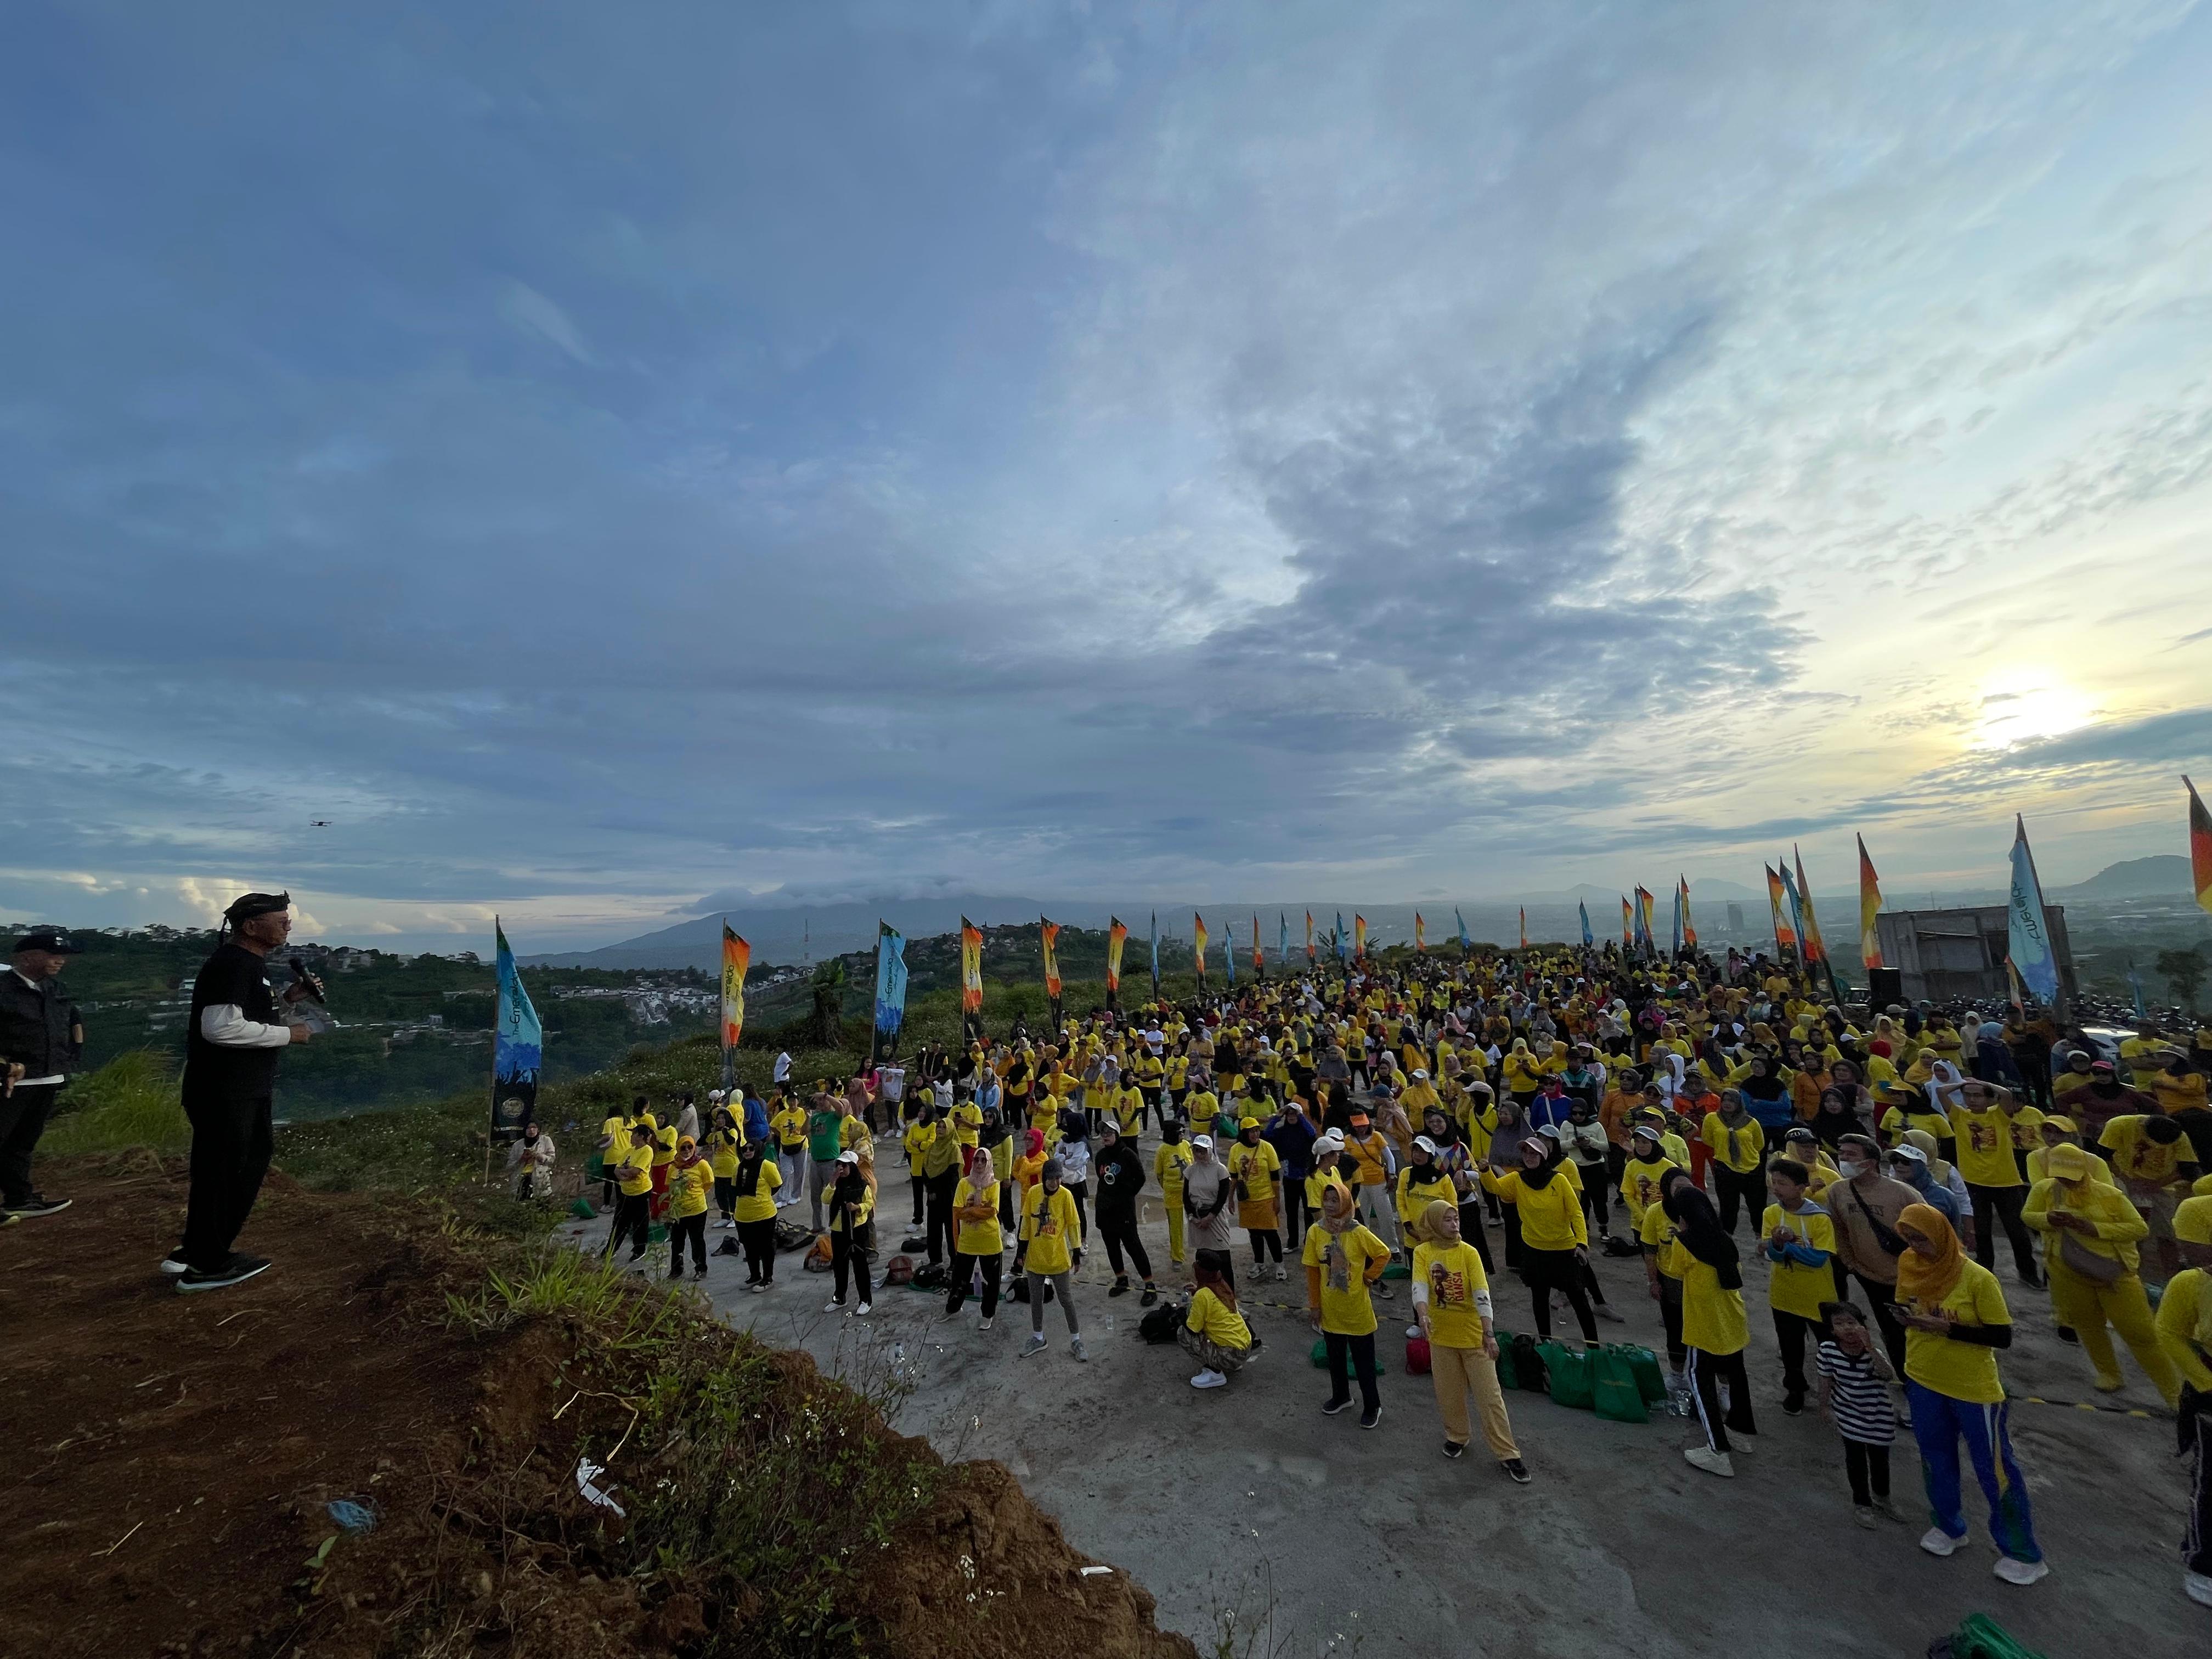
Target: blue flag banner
517	1047
1589	938
1229	953
891	989
1465	943
2029	941
1343	940
1282	939
2135	983
1796	910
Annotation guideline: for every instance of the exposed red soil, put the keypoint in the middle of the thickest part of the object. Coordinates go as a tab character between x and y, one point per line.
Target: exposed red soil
174	1457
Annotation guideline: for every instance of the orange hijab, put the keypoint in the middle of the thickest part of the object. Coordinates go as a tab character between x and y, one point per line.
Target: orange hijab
1927	1281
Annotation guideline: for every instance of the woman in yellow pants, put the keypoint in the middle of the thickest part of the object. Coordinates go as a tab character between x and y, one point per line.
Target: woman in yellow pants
1452	1299
2093	1229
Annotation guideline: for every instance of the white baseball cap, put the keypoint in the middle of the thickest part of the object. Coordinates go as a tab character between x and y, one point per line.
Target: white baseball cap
1206	1141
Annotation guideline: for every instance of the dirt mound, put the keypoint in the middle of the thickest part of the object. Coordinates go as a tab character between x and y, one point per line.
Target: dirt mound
176	1458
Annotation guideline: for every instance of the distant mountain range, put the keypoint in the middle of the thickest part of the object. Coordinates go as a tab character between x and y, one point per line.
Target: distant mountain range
793	934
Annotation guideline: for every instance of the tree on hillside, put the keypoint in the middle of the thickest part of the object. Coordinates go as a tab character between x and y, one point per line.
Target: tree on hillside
826	1024
2185	971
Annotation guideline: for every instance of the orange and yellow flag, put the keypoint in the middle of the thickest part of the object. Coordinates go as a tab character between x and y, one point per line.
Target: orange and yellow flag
1869	907
1420	934
1309	944
1259	961
1785	936
971	967
737	957
1117	937
1198	941
1359	934
1049	935
1525	926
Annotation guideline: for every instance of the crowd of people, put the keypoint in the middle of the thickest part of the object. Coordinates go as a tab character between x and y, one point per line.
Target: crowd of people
1450	1123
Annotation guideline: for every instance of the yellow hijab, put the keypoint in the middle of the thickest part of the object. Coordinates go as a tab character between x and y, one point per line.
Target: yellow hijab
1927	1281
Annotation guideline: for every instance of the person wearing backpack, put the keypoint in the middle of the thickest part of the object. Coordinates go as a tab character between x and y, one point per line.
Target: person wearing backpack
1451	1300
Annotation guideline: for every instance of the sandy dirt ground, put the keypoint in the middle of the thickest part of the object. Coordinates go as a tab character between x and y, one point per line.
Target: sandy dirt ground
1247	1503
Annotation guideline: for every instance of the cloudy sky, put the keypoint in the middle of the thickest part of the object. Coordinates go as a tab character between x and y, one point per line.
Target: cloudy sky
599	457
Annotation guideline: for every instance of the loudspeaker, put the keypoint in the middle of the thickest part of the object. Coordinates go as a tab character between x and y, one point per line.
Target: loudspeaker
1884	986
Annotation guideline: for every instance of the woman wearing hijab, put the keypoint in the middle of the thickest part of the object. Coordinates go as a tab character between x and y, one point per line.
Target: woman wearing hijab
2185	1333
1955	1320
1121	1174
1738	1146
752	1202
691	1179
2089	1232
721	1147
1255	1168
1503	1153
1052	1227
1554	1243
1207	1191
530	1161
851	1206
977	1244
1214	1331
1833	1118
1342	1259
1714	1330
1662	1265
1452	1299
939	1166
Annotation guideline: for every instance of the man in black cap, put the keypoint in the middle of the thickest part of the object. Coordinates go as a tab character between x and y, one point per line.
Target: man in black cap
42	1033
231	1045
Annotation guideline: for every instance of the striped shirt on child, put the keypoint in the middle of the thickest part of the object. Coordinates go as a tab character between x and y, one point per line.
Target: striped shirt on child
1859	1398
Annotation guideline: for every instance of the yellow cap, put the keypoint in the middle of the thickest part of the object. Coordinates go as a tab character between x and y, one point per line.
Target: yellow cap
1244	1123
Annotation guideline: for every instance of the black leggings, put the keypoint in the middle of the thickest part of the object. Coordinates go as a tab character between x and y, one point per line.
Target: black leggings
1868	1469
632	1220
940	1189
1296	1216
1707	1372
1595	1203
725	1194
2004	1204
921	1187
1745	1190
1359	1350
964	1273
759	1239
1472	1230
1670	1319
691	1227
1080	1191
1879	1298
847	1258
1264	1240
1555	1270
1119	1232
1790	1331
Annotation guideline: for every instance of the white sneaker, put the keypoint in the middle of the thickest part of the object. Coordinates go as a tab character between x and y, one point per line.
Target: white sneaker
1035	1345
1259	1272
863	1310
1282	1273
836	1304
1936	1541
984	1324
1209	1378
1741	1442
2197	1586
2014	1571
1711	1461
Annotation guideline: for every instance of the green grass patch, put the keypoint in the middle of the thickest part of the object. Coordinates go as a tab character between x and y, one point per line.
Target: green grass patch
131	1102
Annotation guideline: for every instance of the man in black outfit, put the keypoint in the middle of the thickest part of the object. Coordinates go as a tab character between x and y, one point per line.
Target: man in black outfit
231	1045
41	1035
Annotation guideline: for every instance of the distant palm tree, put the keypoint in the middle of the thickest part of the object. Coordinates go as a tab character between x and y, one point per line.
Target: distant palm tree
825	1026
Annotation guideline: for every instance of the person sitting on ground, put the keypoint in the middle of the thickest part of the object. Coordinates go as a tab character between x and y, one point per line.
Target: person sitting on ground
1214	1331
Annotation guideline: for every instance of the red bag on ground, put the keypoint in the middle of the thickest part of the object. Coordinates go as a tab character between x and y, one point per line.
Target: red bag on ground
1417	1356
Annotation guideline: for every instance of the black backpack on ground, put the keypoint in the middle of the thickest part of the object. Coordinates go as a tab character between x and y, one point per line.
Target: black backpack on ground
1529	1371
1159	1323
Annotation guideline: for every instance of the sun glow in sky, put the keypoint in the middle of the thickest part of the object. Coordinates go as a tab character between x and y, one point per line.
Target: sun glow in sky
594	461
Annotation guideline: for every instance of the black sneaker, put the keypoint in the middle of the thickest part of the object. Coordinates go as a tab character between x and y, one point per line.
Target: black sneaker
1454	1449
1121	1288
1150	1296
2068	1333
236	1271
35	1204
1517	1468
174	1264
1368	1419
1793	1405
1331	1407
676	1272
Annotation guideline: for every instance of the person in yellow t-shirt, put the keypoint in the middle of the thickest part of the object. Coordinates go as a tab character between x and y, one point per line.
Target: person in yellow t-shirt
1800	1249
1214	1331
632	1171
1662	1270
978	1247
1451	1300
1342	1259
753	1189
691	1179
720	1148
2057	1130
1547	1197
915	1141
1738	1146
2185	1335
1255	1166
2153	1159
1714	1330
1052	1231
2091	1233
1955	1320
1640	1176
1169	1162
1984	1126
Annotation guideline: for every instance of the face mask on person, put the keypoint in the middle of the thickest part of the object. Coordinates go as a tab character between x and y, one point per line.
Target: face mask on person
1849	1171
